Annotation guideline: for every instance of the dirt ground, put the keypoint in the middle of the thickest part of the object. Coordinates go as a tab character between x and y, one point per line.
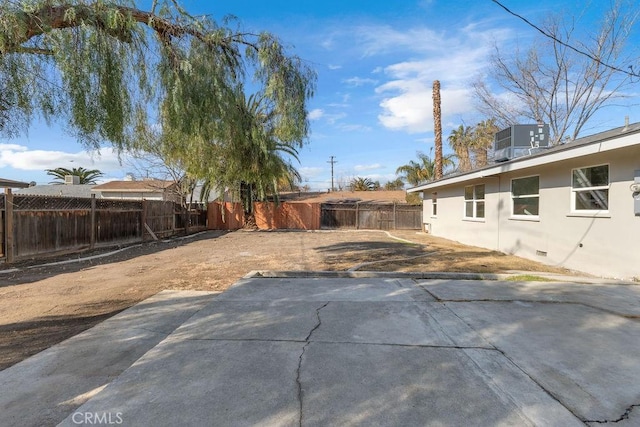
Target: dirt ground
43	305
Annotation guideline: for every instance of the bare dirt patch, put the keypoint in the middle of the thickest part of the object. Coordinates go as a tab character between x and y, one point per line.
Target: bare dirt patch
43	305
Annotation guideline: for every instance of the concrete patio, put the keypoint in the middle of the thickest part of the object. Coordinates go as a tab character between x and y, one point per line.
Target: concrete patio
346	351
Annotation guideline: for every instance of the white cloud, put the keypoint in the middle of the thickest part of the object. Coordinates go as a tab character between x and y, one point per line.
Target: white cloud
359	81
316	114
334	67
22	158
308	173
381	39
368	167
354	128
333	118
407	102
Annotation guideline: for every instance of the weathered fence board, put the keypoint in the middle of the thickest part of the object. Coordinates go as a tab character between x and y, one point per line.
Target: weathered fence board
371	216
313	216
50	231
43	225
225	216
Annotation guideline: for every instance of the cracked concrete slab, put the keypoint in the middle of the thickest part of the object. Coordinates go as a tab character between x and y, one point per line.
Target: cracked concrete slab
251	320
355	351
621	299
45	388
205	383
324	289
586	358
395	322
408	386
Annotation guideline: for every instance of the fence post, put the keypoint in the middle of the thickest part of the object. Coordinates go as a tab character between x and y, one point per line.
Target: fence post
394	215
92	239
8	222
143	218
357	216
185	214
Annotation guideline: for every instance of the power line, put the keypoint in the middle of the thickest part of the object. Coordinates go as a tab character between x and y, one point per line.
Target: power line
554	38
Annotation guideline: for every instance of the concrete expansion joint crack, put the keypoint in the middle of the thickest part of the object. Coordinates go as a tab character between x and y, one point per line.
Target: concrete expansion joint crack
431	294
533	301
304	348
538	383
623	417
384	344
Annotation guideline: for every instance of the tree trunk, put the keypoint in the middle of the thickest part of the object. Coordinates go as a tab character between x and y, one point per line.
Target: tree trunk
437	129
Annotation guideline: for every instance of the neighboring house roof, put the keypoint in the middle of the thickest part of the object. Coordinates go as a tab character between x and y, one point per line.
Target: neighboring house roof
9	183
78	190
146	186
598	143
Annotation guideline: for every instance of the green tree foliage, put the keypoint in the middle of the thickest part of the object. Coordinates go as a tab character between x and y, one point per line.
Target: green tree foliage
415	173
254	162
482	141
113	72
86	176
396	184
473	143
361	184
460	140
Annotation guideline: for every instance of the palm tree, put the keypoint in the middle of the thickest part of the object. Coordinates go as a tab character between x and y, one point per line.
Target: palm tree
483	137
362	184
460	141
255	162
437	130
422	171
87	176
396	184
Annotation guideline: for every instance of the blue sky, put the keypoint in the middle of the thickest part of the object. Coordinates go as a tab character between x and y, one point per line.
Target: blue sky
376	63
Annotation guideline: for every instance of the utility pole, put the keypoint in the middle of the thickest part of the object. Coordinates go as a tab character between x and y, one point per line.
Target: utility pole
332	161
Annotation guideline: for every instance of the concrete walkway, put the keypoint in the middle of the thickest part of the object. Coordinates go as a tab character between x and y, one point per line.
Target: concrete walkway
346	351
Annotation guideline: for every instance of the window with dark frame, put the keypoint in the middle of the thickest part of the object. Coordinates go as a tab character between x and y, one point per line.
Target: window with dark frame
434	204
590	188
525	196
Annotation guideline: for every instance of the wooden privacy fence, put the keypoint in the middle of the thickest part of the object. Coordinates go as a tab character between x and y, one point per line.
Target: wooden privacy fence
42	225
363	216
314	216
269	216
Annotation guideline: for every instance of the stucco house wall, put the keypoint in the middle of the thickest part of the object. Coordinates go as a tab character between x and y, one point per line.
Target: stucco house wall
604	243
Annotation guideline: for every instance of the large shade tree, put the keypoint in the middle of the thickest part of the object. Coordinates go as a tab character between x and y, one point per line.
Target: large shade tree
113	71
566	76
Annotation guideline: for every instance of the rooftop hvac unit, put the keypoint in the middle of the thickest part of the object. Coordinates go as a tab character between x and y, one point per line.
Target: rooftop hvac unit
519	140
71	179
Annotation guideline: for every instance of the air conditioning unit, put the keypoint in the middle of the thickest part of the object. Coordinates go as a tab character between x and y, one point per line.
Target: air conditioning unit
71	179
519	140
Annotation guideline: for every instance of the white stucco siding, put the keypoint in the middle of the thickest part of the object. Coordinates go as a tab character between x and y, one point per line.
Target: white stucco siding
450	221
606	244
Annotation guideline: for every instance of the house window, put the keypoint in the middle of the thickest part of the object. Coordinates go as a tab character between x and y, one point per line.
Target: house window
434	204
590	188
474	201
525	196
